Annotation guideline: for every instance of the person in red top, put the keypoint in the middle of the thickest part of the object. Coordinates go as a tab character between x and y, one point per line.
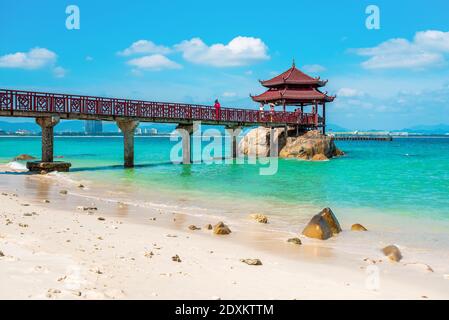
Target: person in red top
217	107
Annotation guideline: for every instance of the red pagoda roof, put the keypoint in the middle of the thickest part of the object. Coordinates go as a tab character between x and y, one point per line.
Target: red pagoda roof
293	76
293	96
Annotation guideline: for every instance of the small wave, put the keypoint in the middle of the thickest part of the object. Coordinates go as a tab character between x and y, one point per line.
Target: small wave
15	165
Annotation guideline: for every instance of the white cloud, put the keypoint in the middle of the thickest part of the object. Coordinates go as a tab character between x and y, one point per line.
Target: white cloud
238	52
349	92
433	39
427	49
144	47
59	72
154	62
35	58
313	68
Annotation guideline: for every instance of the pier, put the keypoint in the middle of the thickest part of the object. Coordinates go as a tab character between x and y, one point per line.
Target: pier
292	88
49	108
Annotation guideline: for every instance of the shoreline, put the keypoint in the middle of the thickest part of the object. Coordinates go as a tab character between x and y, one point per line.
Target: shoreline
112	257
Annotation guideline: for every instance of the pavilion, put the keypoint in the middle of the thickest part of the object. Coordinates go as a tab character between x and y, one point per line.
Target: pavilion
295	88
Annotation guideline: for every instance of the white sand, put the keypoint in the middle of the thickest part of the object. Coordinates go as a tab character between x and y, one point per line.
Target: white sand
54	253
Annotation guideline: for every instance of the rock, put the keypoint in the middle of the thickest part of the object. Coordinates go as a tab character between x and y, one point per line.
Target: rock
22	157
193	227
358	227
208	227
221	228
101	219
257	141
83	208
305	146
176	258
259	217
23	225
319	157
80	186
2	254
295	241
63	192
310	146
322	226
252	262
393	253
46	201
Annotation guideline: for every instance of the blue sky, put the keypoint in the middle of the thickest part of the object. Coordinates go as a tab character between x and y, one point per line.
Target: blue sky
195	51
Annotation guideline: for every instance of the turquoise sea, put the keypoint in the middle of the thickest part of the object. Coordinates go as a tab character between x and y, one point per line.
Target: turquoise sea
408	177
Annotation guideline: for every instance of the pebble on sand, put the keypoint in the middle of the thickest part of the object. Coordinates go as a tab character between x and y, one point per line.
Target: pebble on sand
194	227
358	227
101	218
252	262
176	258
208	226
83	208
259	217
295	241
2	254
63	192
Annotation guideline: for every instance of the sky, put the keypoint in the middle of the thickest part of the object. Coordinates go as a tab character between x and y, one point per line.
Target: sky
391	77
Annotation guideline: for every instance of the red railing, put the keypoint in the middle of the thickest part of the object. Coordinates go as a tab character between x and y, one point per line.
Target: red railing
27	101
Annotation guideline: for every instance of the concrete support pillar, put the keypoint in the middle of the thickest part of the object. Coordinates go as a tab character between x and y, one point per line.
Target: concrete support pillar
128	127
233	132
47	124
186	130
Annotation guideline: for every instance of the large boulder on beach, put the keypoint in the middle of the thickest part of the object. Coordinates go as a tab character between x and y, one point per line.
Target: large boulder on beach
393	253
311	145
221	229
322	225
23	157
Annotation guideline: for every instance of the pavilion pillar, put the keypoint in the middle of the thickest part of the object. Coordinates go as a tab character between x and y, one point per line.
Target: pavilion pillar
186	131
128	128
47	125
233	132
324	118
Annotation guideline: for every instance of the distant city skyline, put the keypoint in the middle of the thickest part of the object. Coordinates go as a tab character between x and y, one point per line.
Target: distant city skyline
391	78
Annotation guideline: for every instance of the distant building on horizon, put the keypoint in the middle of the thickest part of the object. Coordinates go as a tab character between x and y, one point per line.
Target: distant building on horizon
93	127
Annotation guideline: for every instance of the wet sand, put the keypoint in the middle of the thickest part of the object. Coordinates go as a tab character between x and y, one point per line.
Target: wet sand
53	250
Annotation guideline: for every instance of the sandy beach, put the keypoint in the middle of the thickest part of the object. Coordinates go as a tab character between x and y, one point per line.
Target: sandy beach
59	245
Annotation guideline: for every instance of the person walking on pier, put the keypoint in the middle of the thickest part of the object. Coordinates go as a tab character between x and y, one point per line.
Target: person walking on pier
217	107
271	111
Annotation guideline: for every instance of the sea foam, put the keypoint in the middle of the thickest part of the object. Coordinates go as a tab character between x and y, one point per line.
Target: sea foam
15	165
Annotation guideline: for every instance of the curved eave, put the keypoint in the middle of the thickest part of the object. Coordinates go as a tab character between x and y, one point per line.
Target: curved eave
292	100
271	84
